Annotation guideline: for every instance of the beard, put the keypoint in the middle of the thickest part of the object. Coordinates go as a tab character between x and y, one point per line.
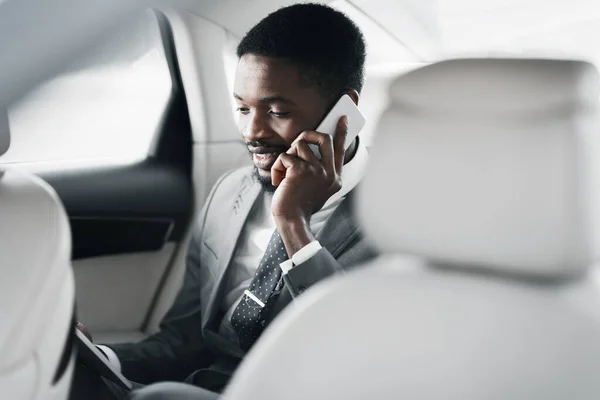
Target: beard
265	182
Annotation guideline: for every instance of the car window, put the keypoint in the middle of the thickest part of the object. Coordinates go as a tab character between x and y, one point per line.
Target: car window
230	62
107	105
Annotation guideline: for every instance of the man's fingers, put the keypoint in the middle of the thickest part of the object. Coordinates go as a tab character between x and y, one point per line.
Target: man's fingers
280	167
293	151
339	143
323	141
277	172
304	152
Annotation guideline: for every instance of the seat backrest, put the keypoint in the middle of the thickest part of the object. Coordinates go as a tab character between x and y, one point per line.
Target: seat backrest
36	287
481	194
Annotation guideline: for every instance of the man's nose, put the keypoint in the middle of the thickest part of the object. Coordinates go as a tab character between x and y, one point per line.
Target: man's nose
256	128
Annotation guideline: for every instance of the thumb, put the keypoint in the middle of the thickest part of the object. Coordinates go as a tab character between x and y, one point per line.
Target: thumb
339	142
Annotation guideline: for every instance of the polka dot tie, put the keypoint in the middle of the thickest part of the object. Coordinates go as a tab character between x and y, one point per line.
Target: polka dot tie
246	318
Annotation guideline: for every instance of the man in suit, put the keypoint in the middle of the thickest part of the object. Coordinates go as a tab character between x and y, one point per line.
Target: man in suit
267	232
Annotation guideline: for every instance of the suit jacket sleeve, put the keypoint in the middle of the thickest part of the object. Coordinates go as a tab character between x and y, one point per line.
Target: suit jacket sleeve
315	269
323	264
178	348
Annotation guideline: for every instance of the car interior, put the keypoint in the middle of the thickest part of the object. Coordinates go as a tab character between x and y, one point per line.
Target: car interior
116	119
487	306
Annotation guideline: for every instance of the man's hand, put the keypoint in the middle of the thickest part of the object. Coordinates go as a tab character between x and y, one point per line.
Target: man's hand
304	183
84	330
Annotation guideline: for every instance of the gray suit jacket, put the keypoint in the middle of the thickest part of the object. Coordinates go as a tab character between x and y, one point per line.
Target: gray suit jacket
188	339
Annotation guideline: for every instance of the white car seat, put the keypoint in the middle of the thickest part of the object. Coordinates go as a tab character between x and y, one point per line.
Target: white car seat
485	173
36	287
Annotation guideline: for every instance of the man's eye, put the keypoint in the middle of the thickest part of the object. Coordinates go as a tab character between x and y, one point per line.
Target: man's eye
243	110
279	114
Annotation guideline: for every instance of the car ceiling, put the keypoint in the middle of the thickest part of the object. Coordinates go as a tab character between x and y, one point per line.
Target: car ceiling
422	30
412	40
35	45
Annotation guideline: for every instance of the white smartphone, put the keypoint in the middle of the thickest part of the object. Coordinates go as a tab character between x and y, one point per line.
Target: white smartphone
356	121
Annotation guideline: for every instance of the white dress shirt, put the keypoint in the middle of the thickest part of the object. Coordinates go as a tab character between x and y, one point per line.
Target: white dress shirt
257	233
255	237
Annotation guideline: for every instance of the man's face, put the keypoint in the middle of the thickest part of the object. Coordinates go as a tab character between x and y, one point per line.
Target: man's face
273	108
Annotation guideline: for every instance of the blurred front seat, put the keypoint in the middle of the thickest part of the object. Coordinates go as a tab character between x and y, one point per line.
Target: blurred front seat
485	172
36	287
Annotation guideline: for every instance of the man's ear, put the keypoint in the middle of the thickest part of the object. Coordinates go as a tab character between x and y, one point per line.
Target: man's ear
353	95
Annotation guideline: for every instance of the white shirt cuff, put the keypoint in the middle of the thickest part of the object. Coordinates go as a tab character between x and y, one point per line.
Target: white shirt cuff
112	356
301	256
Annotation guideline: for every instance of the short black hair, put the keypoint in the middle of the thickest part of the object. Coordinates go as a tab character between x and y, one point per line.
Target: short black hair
328	47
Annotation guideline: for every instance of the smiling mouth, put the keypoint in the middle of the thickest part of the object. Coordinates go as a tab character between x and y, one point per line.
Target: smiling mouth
265	161
265	149
265	157
262	156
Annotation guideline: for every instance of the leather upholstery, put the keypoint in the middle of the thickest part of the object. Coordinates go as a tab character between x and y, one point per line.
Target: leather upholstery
494	200
36	289
482	162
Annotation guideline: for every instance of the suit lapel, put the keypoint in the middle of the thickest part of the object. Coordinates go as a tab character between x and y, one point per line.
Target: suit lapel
240	208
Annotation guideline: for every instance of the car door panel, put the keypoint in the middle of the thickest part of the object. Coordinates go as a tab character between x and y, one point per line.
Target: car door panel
128	220
124	209
115	292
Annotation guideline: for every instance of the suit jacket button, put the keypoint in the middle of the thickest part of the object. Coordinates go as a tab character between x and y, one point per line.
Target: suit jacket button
263	323
301	289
